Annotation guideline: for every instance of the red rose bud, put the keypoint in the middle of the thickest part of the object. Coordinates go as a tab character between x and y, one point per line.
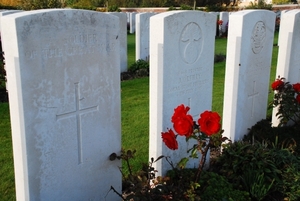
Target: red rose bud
298	98
209	123
277	84
296	87
169	139
182	122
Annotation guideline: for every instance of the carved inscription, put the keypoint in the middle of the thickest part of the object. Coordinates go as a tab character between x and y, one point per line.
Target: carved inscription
257	67
74	45
190	44
258	37
187	82
252	96
77	113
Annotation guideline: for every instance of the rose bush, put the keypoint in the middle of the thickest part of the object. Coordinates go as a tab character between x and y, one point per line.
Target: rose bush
286	100
207	133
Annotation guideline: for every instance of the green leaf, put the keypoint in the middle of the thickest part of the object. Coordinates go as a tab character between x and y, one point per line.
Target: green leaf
182	163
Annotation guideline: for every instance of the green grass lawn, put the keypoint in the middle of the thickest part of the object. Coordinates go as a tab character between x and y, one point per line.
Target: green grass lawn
135	116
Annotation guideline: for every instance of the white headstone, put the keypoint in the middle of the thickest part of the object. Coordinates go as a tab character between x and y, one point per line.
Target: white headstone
3	13
123	39
216	14
249	52
288	61
128	17
63	68
181	72
224	16
282	13
7	12
142	36
132	22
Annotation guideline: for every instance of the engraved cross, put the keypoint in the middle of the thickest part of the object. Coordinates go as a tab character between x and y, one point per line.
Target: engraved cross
195	116
252	96
77	113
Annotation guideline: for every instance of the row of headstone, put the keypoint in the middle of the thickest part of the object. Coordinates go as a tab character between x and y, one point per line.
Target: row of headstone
142	36
142	31
123	39
224	16
182	49
63	73
132	21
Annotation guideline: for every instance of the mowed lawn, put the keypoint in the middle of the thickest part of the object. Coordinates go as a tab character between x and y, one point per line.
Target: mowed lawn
135	116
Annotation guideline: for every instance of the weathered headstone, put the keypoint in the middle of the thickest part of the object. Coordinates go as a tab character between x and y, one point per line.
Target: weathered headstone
181	72
288	61
142	36
63	71
132	22
123	39
249	51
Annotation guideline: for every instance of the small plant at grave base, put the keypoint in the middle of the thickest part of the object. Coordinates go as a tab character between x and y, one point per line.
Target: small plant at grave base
286	100
144	185
207	134
179	184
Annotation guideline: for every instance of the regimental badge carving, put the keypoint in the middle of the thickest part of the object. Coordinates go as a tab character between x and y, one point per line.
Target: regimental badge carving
191	42
258	37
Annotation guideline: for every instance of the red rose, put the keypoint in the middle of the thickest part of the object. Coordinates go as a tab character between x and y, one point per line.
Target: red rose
277	84
298	98
182	122
296	87
209	122
169	139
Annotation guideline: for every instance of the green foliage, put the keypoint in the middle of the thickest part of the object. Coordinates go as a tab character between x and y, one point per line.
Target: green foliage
215	187
260	169
219	57
172	8
9	7
260	5
84	4
185	7
256	184
291	182
114	8
40	4
7	184
141	67
144	185
214	7
283	137
3	92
